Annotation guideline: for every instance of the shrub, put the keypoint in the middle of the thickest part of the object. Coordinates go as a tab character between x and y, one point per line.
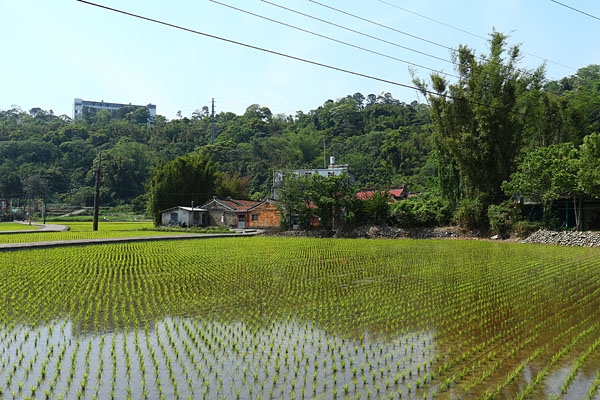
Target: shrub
502	217
471	213
525	228
426	209
373	210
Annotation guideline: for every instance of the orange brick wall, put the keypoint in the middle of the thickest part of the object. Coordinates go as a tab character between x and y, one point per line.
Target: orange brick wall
268	217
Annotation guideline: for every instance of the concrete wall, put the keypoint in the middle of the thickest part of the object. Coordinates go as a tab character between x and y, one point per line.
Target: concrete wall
182	216
220	216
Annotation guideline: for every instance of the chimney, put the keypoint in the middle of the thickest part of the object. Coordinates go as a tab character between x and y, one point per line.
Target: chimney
331	161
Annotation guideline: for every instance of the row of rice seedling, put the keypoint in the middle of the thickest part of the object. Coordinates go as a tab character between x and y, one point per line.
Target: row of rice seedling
108	226
70	235
299	318
12	226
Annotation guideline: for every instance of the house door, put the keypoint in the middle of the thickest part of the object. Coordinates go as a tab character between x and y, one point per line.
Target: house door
241	222
174	218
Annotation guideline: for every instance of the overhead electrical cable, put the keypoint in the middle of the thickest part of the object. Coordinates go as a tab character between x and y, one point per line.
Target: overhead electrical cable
359	32
333	39
334	68
383	25
470	33
575	9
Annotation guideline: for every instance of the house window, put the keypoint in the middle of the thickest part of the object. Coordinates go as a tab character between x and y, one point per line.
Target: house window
254	217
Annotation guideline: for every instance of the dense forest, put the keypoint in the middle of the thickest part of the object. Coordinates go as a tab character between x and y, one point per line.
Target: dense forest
384	140
496	111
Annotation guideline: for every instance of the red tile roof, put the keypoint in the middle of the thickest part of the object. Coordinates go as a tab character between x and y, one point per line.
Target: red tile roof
393	193
240	205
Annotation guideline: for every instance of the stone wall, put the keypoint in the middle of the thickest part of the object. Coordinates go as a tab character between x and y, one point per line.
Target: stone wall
570	238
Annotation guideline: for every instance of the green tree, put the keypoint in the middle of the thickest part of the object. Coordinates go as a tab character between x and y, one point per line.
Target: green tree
479	121
186	179
589	165
232	185
127	168
373	210
293	200
333	197
305	146
545	175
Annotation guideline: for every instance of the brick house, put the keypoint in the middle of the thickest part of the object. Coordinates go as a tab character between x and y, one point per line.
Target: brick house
264	215
242	214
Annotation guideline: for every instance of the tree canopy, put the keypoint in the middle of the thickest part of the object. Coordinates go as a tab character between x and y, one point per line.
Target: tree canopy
479	121
187	180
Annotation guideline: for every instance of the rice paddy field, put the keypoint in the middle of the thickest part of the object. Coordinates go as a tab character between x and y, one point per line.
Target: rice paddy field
262	318
11	226
83	230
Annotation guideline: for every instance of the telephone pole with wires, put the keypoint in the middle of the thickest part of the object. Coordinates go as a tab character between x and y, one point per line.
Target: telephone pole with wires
212	119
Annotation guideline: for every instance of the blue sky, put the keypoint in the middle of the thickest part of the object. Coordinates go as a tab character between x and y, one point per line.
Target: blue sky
54	51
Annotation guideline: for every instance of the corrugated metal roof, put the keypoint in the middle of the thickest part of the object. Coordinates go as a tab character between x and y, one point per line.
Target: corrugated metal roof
189	209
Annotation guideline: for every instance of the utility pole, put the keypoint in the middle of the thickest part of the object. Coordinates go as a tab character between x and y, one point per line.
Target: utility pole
44	208
324	156
212	130
97	194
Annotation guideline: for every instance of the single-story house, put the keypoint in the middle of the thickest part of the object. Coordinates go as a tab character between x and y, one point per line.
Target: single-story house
394	193
184	216
242	214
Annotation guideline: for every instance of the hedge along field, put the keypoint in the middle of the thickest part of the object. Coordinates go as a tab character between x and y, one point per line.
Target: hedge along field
301	318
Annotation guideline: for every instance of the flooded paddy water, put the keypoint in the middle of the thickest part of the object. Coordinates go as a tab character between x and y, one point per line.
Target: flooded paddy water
264	318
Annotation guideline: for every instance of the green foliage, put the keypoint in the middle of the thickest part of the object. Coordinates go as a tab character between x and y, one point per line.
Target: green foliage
503	217
545	175
425	209
525	228
374	210
127	167
185	180
466	144
329	199
589	165
471	213
293	200
234	186
479	129
333	198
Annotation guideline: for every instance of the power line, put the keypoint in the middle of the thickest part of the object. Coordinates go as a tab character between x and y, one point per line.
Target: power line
434	20
332	39
470	33
575	9
334	68
383	26
359	32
